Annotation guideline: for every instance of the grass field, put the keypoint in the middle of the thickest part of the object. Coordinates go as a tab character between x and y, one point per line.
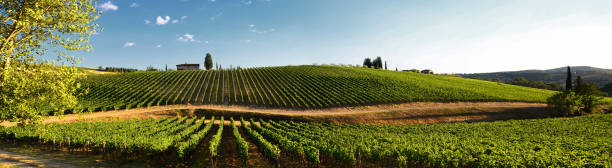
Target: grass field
292	87
561	142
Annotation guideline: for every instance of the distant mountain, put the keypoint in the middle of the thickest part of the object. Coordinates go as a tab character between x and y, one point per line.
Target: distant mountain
589	74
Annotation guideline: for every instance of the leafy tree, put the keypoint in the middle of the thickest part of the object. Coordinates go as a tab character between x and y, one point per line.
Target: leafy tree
208	62
591	96
568	81
377	63
367	63
566	103
30	86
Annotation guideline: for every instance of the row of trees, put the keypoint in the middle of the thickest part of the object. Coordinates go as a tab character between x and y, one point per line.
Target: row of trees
376	63
577	99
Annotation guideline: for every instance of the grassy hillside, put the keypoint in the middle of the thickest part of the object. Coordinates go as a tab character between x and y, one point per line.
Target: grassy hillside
292	87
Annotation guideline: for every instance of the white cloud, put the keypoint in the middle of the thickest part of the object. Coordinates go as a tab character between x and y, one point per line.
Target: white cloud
158	46
187	38
134	5
108	6
249	2
183	17
246	41
162	21
174	21
254	30
147	21
128	44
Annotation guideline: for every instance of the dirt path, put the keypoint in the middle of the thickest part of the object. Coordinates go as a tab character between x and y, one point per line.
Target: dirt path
160	111
20	160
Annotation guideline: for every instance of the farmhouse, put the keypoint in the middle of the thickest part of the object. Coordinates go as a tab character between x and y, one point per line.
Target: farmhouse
188	67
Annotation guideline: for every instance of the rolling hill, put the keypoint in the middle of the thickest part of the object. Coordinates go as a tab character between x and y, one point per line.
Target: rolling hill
292	87
557	75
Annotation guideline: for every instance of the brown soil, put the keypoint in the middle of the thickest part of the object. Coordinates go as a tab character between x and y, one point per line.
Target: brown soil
405	113
21	160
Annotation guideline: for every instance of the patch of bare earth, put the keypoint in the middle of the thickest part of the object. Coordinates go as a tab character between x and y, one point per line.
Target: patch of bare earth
417	113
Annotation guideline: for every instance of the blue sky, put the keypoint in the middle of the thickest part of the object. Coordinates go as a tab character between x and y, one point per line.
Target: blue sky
454	36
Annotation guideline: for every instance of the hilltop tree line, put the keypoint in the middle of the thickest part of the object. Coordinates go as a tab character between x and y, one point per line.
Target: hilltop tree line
377	63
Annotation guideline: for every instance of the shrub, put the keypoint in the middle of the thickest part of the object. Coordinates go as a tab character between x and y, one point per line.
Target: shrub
566	103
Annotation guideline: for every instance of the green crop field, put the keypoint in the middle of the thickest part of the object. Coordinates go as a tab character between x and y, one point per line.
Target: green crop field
292	87
561	142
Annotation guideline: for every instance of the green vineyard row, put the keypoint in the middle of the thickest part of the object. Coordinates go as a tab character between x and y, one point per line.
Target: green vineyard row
564	142
291	87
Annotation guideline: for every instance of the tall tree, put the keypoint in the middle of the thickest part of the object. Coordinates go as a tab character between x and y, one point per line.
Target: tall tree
208	62
30	84
568	81
377	63
385	65
367	63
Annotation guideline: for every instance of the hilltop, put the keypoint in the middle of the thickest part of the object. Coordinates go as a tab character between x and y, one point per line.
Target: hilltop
304	87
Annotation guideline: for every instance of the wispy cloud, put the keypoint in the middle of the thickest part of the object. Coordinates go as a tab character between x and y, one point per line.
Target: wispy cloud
212	0
128	44
162	20
134	5
183	17
187	38
158	46
147	21
108	6
254	30
246	41
249	2
174	21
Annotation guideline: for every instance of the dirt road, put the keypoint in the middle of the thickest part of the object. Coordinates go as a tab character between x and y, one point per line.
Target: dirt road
20	160
406	109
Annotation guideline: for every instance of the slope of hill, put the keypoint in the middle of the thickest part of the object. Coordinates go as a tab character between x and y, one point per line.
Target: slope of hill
557	75
293	87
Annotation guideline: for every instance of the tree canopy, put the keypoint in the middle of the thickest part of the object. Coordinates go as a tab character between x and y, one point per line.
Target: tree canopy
31	85
208	62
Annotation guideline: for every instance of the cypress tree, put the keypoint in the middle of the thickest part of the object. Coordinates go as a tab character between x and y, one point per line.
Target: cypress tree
367	62
568	81
385	65
208	62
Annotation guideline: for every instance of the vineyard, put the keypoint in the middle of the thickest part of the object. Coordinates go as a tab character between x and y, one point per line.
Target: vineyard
563	142
302	87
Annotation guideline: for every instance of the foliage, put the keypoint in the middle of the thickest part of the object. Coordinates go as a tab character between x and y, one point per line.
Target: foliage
118	69
591	97
607	88
151	68
292	87
521	81
241	144
568	81
367	63
29	85
377	63
565	103
513	143
208	62
215	142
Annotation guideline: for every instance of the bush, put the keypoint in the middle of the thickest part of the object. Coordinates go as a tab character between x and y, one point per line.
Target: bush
566	103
